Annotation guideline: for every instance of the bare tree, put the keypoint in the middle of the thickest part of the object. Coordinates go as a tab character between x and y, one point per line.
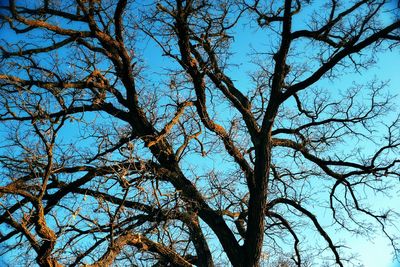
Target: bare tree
131	137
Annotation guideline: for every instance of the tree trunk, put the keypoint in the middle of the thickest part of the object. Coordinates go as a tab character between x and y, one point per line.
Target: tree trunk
257	203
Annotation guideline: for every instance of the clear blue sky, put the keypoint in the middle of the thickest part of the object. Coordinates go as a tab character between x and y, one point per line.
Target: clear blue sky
375	252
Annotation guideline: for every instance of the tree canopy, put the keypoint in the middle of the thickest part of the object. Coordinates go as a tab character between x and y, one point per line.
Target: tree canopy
195	132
